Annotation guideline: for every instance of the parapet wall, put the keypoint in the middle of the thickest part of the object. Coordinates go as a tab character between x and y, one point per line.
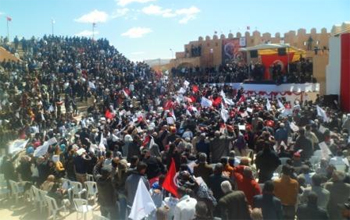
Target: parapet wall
211	47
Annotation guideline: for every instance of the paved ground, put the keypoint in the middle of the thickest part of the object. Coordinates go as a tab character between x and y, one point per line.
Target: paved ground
26	211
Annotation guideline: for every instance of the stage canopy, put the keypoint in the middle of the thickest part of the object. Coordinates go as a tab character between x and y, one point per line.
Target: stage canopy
268	49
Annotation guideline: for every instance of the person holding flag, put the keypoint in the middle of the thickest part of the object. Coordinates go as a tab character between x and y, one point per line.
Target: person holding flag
131	183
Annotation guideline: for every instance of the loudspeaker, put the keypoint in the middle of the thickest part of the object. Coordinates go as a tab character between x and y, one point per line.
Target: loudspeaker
329	100
282	51
253	54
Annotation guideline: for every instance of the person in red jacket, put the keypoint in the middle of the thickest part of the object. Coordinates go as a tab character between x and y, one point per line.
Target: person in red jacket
245	182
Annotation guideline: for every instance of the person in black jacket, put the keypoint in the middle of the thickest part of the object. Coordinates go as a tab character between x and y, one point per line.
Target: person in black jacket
310	210
154	165
304	144
106	195
266	162
270	205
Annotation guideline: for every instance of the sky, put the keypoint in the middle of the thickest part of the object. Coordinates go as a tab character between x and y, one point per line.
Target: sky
152	29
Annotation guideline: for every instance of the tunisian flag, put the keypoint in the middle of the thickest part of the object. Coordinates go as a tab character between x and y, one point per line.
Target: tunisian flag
271	59
169	182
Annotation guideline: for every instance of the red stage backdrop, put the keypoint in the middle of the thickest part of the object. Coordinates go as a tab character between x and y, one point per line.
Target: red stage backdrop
345	72
270	59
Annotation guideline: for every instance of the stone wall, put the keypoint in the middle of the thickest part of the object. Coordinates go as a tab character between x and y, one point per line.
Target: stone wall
212	46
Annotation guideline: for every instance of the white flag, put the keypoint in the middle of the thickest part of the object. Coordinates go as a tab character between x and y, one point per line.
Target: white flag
268	105
186	83
143	203
322	113
228	101
101	145
182	90
41	150
280	105
173	114
222	94
206	102
224	113
17	145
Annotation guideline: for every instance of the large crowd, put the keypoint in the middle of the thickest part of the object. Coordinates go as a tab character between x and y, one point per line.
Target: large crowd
232	71
236	156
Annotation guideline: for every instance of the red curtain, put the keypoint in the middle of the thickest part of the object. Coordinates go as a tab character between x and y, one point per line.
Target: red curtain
345	72
271	59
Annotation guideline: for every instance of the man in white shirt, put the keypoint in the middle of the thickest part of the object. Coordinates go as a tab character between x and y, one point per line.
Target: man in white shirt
186	207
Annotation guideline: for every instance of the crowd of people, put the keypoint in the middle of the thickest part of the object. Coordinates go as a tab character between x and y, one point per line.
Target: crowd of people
231	72
236	156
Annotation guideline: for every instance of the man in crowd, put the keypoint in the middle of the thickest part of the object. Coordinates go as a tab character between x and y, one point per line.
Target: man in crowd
271	206
286	189
233	205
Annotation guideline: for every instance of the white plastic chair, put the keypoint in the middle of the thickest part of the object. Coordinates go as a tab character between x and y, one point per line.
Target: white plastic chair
90	177
91	190
81	206
284	160
76	190
17	190
53	207
98	217
3	188
39	198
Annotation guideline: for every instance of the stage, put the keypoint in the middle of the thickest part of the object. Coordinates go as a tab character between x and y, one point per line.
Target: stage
290	91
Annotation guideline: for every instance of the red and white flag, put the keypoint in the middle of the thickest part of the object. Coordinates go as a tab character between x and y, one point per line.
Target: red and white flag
170	178
8	18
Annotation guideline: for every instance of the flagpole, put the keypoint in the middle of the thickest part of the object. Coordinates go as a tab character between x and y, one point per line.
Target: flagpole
93	31
8	30
52	26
